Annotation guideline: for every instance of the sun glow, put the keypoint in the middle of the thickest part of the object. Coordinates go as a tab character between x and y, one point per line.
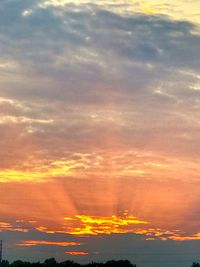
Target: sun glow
84	226
94	225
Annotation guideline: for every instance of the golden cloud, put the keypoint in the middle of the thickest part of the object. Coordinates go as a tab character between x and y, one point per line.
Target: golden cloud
96	225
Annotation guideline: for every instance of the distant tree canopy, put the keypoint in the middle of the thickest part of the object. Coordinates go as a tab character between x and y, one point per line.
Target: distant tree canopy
195	264
51	262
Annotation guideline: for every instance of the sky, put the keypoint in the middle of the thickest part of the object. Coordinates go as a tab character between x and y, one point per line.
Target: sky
99	130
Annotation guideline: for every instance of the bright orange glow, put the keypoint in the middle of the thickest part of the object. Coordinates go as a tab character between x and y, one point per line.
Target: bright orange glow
94	225
49	218
30	243
83	225
76	253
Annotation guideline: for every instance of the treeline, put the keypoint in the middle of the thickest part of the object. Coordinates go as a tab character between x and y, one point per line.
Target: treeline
53	263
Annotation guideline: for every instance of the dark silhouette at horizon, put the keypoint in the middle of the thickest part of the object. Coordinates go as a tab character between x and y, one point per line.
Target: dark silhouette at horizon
51	262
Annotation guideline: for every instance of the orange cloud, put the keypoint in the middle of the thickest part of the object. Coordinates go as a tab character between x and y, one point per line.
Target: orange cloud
30	243
195	236
76	253
133	163
95	225
83	225
4	226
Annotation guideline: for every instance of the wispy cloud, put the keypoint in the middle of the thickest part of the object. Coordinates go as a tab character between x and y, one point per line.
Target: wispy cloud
5	226
29	243
77	253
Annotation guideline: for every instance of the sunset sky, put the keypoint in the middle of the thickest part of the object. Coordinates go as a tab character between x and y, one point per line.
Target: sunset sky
100	130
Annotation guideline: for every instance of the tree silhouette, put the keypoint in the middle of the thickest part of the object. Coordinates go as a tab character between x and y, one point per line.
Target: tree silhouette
195	264
51	262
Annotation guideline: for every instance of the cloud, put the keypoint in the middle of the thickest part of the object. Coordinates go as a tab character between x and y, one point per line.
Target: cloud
102	225
5	226
28	243
118	78
75	253
101	107
90	204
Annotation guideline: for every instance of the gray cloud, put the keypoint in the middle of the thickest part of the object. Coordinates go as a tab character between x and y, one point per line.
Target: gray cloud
72	65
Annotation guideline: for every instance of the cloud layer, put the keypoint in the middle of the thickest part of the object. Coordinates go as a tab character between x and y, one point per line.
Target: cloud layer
99	114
